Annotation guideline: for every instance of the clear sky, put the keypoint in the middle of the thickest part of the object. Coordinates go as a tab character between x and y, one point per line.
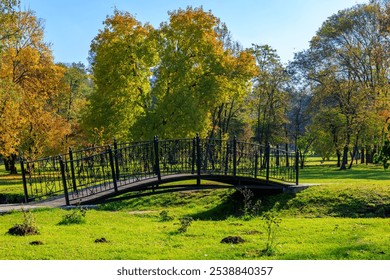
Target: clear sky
285	25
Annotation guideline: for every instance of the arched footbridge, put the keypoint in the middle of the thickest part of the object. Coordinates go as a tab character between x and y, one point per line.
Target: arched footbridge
97	173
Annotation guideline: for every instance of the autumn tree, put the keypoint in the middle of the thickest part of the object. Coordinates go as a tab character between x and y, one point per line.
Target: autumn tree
198	79
186	84
7	16
122	56
28	68
72	100
230	116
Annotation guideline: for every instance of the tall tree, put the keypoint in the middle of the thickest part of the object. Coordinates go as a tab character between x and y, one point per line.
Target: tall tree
72	101
27	64
269	98
196	79
186	84
122	56
229	116
348	67
7	16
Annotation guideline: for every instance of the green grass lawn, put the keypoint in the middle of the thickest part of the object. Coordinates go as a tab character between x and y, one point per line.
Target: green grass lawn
11	187
139	235
345	216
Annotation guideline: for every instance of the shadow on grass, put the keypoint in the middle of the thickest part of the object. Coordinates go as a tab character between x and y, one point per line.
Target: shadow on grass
11	198
233	205
348	252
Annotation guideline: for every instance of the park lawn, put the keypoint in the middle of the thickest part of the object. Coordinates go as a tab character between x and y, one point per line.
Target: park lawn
342	217
143	236
11	187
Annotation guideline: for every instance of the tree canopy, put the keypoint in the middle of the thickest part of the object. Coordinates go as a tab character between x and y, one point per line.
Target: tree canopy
189	76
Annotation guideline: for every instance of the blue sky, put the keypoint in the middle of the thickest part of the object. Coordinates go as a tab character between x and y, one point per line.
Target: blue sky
285	25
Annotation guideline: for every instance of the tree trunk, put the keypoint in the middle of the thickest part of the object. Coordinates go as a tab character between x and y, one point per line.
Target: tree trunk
355	149
302	159
368	151
6	164
12	164
362	156
345	158
338	153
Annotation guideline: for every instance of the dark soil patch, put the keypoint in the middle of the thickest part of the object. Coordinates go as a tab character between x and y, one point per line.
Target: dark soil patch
35	243
101	240
233	240
22	230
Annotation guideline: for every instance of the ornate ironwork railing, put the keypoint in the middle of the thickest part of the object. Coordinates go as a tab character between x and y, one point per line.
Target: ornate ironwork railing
100	169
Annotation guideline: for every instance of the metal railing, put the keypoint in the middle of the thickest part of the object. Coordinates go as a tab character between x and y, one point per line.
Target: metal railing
100	169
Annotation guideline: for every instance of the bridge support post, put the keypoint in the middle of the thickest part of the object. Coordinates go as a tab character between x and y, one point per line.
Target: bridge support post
72	169
198	159
157	158
111	156
24	180
63	176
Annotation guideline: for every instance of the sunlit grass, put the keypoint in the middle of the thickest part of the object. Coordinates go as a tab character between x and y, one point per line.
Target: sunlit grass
341	217
144	236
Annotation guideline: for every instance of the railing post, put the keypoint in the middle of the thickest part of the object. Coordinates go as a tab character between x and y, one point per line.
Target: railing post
24	180
193	156
256	163
234	156
72	169
111	156
63	176
297	167
198	159
267	165
116	159
157	158
227	158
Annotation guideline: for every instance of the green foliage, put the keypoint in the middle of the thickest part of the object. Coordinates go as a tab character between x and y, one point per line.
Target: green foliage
164	217
384	154
28	227
77	216
250	209
185	222
122	56
271	225
269	99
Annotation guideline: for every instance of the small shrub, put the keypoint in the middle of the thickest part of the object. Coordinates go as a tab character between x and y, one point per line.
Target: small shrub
185	222
164	217
271	225
250	209
76	217
28	227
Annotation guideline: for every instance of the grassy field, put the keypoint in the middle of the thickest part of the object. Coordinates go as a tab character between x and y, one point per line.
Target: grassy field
11	187
344	217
